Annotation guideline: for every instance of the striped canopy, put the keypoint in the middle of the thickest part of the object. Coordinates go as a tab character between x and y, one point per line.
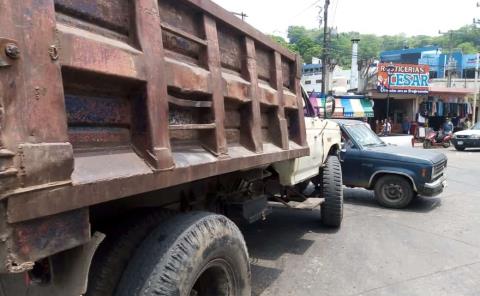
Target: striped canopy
349	107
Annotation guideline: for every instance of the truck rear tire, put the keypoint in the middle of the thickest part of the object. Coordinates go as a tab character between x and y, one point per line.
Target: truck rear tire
117	249
191	254
331	189
393	191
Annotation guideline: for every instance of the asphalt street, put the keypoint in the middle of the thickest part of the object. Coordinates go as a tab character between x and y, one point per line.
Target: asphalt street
430	248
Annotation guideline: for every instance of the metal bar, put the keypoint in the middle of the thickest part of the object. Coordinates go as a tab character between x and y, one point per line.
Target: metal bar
282	129
192	126
184	34
214	65
255	121
189	103
151	42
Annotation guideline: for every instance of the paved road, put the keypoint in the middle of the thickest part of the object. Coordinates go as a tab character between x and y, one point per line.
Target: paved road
430	248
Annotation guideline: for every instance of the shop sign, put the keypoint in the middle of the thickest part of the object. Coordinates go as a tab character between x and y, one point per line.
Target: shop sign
403	78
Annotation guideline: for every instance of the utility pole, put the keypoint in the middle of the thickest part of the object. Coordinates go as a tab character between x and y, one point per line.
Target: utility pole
475	97
451	64
241	14
325	48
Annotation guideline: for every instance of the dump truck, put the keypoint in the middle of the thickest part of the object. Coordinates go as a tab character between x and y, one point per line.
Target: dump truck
134	133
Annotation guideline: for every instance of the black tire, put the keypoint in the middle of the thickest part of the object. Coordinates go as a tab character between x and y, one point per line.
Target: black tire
331	189
117	249
459	148
200	252
427	144
393	191
446	145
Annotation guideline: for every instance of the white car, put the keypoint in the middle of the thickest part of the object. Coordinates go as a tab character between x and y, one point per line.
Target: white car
400	140
468	138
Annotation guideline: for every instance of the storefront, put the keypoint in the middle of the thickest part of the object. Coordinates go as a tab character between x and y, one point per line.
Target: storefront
399	88
447	103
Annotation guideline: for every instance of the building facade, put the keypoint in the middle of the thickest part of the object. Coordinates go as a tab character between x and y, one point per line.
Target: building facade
449	91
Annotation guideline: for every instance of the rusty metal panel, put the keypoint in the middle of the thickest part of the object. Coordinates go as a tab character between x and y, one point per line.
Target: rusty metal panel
231	52
109	14
26	242
183	85
288	72
265	63
180	15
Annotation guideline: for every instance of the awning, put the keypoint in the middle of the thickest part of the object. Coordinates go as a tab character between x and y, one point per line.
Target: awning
367	107
357	108
349	107
434	90
338	113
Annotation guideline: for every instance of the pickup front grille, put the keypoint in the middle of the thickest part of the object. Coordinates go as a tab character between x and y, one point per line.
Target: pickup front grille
462	136
439	168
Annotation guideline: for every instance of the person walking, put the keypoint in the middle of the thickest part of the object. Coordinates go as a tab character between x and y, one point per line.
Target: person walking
448	126
387	129
406	126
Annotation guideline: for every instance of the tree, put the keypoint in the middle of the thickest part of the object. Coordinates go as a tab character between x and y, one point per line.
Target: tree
309	43
467	47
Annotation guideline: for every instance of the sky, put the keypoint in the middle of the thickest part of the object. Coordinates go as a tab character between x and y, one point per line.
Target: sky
381	17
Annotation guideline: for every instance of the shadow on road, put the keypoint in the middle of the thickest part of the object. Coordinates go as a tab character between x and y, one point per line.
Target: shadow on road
362	197
281	234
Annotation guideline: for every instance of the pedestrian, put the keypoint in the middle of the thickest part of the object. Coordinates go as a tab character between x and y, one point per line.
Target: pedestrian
467	124
448	126
365	121
387	127
406	126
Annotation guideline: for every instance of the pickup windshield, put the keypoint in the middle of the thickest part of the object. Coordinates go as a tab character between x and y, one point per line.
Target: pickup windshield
364	136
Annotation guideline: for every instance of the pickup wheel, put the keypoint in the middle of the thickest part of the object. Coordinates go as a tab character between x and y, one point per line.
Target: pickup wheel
394	191
331	189
191	254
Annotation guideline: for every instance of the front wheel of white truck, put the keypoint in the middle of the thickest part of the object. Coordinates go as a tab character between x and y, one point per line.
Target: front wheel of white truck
193	254
331	189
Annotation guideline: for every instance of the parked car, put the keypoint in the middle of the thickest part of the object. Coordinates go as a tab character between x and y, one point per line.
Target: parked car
468	138
397	174
400	140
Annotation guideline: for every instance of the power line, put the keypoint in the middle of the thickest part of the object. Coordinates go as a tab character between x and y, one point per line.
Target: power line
335	12
304	10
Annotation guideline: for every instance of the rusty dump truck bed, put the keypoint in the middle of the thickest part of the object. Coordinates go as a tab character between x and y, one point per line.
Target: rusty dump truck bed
101	100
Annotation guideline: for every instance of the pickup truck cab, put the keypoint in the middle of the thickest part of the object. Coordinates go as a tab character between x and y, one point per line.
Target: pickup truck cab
397	174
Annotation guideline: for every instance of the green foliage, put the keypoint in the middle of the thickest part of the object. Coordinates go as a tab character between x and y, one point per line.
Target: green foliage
309	43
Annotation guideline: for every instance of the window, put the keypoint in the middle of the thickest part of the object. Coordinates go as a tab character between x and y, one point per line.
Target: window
318	81
308	82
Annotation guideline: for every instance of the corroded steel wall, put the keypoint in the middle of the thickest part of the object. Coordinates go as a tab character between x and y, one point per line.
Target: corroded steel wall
101	100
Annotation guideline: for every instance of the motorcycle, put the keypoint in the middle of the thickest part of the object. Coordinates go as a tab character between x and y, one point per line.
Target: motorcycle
433	140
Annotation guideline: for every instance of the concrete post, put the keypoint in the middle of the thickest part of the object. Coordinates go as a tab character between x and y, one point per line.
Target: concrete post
475	97
354	72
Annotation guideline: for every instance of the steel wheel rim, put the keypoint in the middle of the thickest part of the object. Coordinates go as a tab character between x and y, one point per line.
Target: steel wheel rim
216	278
393	192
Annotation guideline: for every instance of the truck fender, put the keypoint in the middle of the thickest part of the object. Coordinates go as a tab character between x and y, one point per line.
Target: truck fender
375	176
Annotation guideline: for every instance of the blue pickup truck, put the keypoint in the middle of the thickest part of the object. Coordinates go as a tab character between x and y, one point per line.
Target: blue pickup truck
397	174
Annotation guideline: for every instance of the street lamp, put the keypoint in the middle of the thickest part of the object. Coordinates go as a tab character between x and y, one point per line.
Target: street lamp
390	70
